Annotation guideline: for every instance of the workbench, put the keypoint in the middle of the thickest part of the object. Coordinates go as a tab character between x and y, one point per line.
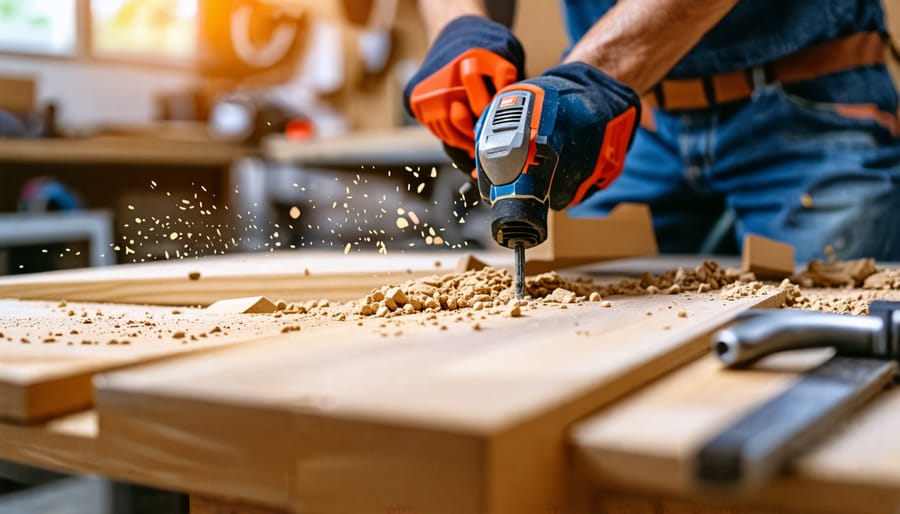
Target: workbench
569	408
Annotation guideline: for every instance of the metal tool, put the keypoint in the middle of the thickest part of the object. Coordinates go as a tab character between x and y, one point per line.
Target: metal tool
757	446
515	169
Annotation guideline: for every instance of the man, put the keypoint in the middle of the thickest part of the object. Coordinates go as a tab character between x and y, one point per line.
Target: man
772	118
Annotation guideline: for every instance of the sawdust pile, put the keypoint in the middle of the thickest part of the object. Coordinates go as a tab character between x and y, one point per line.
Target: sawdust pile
491	290
482	289
832	286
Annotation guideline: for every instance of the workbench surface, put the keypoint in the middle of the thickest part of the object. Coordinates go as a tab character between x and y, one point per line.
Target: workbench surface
433	414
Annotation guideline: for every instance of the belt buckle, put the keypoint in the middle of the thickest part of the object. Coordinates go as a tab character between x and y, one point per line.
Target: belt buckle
760	76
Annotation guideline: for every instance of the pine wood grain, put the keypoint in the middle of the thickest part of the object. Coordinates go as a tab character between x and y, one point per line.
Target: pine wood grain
289	275
49	352
647	441
427	420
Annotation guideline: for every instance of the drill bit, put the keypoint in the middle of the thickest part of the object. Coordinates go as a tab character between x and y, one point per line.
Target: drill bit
519	248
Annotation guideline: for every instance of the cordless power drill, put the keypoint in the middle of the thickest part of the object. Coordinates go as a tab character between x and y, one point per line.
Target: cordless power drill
515	170
517	154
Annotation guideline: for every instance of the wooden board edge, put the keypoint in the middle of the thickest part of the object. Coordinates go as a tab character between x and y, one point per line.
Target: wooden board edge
419	469
65	445
13	402
167	450
65	393
351	286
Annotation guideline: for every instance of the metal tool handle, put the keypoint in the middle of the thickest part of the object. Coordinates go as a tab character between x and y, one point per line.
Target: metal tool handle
768	332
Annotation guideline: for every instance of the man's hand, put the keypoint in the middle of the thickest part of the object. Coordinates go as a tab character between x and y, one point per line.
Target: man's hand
469	61
588	120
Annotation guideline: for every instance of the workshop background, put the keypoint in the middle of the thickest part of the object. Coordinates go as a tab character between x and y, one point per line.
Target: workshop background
153	123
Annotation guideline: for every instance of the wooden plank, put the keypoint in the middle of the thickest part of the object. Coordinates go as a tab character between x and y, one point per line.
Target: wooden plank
49	352
406	416
66	444
288	275
647	441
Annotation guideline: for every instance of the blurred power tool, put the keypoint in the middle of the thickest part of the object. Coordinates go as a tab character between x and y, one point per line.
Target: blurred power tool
515	170
755	447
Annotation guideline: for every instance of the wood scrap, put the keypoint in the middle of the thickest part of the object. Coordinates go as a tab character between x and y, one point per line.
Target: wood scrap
626	232
767	258
248	305
837	273
469	262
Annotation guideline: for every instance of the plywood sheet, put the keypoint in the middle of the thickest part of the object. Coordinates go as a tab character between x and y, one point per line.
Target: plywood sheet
50	351
429	415
292	276
647	441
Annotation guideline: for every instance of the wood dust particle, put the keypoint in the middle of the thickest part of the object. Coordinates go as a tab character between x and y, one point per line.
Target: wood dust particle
294	213
806	201
193	275
402	223
682	314
346	248
178	335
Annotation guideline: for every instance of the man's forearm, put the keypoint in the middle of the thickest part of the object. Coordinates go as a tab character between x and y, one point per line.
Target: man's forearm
438	13
638	41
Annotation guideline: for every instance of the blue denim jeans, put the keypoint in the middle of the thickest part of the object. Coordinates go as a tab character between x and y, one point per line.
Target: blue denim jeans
803	171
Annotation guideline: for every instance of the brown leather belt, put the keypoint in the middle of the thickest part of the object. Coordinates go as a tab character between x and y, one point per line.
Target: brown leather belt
863	49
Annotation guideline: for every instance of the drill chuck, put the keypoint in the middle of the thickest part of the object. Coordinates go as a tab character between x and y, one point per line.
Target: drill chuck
519	220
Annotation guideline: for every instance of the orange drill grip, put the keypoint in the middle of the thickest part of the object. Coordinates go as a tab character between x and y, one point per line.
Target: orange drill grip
448	101
611	158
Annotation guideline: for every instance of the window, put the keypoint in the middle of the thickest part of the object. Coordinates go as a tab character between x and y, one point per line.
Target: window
153	29
46	27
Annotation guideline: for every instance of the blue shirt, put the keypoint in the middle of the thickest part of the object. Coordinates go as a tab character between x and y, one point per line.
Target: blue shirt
754	32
